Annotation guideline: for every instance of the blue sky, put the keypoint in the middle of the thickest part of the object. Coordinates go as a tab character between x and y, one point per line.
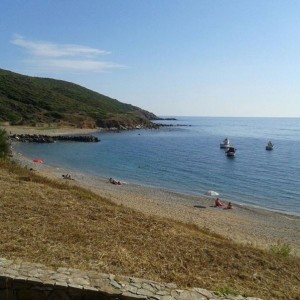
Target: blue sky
189	57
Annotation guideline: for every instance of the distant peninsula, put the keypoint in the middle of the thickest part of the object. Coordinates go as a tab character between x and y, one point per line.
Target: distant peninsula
165	119
35	101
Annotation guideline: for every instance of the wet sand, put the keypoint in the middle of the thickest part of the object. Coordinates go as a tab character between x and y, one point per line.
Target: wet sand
258	227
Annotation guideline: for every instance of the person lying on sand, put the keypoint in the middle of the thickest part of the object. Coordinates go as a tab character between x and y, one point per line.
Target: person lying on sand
113	181
67	176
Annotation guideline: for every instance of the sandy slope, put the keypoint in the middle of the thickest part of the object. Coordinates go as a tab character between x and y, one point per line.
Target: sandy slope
48	130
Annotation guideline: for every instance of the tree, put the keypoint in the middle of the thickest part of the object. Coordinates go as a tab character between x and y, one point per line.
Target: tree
4	145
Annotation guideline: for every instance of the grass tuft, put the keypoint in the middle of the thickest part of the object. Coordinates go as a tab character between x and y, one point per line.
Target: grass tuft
225	291
281	249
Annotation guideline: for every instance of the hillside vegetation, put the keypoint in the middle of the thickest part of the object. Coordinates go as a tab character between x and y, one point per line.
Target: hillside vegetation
59	224
26	100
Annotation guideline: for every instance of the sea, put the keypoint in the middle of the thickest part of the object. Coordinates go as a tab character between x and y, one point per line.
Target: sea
186	158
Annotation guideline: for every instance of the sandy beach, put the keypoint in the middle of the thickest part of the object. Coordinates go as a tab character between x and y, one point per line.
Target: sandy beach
51	131
257	227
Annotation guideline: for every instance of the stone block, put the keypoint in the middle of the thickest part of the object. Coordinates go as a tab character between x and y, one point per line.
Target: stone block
78	281
59	277
144	292
167	297
131	289
108	289
115	284
5	262
204	292
147	286
162	293
96	282
190	295
155	297
130	296
60	285
171	285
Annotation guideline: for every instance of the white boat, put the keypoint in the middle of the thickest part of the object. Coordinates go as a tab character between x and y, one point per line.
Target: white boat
269	146
230	152
225	144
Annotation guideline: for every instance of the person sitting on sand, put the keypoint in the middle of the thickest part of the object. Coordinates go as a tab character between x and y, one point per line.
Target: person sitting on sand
229	206
113	181
218	203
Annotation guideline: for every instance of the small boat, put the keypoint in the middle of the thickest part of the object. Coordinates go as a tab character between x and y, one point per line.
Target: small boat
230	152
269	146
225	144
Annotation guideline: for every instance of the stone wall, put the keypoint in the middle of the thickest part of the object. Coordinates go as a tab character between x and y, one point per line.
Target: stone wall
28	281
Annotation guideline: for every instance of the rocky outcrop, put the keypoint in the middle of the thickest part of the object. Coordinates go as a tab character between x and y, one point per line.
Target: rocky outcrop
39	138
88	123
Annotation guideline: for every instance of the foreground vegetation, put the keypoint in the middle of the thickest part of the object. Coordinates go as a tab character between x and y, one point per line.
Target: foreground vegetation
4	145
26	100
58	224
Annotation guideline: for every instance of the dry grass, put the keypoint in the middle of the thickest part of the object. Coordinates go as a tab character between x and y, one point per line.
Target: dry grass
61	225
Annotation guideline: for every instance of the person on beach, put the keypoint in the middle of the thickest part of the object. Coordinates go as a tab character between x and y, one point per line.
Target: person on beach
229	206
113	181
67	176
218	203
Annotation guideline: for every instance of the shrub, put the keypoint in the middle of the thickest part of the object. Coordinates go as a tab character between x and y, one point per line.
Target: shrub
224	291
4	145
282	249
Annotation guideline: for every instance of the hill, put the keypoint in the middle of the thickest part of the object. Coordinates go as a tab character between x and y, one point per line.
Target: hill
26	100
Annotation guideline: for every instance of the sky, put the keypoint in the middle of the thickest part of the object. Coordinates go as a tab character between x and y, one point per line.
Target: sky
173	58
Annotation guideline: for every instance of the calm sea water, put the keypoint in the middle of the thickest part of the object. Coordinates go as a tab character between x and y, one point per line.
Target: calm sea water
189	160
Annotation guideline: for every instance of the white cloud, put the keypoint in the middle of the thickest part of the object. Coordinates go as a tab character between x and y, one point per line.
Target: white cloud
59	65
63	57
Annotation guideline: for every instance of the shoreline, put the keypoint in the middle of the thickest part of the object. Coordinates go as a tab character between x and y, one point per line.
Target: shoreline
51	131
244	224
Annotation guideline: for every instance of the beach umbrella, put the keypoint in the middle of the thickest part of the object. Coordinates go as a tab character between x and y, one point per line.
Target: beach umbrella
211	194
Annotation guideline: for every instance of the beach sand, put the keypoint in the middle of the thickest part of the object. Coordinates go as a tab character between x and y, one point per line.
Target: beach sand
51	131
257	227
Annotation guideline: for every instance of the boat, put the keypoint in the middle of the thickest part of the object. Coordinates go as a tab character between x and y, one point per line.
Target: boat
225	144
269	146
230	152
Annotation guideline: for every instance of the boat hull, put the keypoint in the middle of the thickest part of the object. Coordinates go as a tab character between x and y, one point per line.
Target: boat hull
223	146
230	154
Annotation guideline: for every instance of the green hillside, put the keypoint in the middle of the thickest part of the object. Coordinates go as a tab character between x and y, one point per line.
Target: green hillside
26	100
